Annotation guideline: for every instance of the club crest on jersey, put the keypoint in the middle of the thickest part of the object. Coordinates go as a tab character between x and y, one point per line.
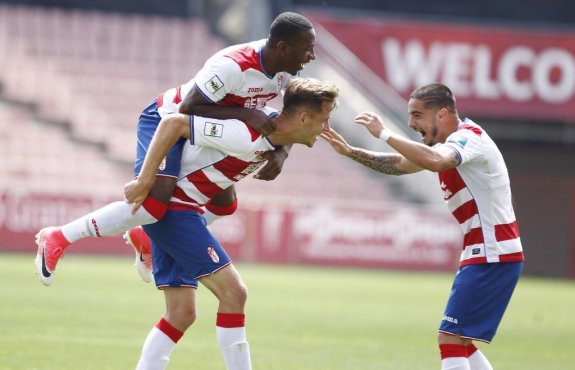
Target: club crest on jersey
214	84
162	164
213	129
213	254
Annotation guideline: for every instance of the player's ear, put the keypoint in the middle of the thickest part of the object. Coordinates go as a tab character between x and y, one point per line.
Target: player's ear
281	46
303	115
440	113
443	112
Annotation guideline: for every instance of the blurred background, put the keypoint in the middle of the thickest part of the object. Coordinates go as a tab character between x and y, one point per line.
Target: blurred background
75	75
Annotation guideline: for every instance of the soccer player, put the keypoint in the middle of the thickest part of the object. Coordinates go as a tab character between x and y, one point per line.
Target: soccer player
476	188
218	154
241	79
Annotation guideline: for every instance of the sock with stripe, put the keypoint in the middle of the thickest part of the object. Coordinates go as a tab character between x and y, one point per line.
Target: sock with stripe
454	357
113	219
477	360
231	335
158	346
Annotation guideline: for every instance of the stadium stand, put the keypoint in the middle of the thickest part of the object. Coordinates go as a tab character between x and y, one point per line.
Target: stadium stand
41	159
87	67
95	72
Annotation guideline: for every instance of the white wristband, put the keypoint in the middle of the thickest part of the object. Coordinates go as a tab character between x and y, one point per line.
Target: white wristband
385	134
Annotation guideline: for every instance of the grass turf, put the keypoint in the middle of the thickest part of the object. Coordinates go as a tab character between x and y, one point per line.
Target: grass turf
98	313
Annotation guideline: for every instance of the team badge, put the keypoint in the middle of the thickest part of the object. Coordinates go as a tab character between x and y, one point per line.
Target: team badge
213	255
163	164
214	84
213	129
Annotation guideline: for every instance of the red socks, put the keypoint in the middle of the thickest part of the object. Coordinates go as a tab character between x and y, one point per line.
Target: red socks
172	333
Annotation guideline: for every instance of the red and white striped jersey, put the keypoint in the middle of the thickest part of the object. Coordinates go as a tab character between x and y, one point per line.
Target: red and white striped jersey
233	76
478	194
219	153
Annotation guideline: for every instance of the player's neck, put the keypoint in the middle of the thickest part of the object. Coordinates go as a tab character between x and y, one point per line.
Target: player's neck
269	60
280	136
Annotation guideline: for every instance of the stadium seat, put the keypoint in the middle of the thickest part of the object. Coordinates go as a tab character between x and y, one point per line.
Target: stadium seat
94	72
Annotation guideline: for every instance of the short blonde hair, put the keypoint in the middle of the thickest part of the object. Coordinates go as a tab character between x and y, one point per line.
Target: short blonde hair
309	92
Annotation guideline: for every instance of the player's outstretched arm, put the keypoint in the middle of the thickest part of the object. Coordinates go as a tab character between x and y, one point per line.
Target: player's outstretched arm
372	122
170	129
416	155
337	142
387	163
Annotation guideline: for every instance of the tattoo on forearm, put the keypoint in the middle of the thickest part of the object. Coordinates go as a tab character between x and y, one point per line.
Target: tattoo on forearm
381	162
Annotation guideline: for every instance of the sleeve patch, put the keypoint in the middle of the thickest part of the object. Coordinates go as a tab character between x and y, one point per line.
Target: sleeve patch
213	129
214	84
458	140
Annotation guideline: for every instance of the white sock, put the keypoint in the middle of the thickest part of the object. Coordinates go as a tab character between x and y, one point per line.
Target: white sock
113	219
231	335
158	347
478	361
455	363
234	347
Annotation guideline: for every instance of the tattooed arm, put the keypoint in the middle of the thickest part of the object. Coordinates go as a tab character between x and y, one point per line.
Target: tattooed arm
437	158
387	163
381	162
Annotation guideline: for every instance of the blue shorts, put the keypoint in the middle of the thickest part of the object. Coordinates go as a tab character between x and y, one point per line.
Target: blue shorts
184	250
147	125
479	296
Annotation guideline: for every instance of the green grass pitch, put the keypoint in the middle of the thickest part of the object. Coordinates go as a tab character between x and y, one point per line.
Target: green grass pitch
97	314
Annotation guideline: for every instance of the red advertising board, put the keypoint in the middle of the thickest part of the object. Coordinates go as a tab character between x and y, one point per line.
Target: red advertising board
493	71
391	236
23	214
394	236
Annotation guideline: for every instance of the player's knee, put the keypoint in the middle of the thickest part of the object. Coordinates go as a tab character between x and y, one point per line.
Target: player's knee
234	297
242	294
183	315
443	338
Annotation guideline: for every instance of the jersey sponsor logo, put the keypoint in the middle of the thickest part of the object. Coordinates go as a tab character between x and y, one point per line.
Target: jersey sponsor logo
213	129
255	89
460	141
214	84
249	169
213	254
255	103
259	154
475	251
